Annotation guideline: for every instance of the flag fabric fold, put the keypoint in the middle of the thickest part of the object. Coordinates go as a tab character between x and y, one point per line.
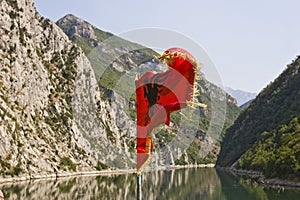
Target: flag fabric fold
160	94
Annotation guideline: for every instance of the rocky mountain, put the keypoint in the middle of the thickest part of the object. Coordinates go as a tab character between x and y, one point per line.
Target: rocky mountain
53	118
265	137
67	102
116	63
39	65
241	96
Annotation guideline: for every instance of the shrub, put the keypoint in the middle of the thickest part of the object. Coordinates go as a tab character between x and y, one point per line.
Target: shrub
67	162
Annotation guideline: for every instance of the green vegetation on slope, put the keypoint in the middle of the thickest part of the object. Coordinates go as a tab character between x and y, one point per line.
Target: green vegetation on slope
274	107
277	153
106	50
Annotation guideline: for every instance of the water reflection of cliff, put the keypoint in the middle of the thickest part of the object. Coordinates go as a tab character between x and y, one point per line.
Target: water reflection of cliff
183	184
207	184
178	184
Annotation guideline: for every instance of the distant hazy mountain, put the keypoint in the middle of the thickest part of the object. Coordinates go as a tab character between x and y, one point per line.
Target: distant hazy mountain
240	95
246	105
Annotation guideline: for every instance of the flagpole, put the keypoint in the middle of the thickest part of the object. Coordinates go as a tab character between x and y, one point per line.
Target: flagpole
139	186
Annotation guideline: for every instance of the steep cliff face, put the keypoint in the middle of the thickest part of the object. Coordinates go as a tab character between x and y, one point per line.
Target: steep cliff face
39	66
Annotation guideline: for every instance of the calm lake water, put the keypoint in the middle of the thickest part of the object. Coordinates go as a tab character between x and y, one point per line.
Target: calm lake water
201	183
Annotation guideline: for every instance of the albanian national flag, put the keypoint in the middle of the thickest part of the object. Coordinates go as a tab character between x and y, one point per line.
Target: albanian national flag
159	94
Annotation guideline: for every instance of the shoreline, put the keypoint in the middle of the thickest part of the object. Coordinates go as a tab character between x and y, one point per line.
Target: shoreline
64	175
93	173
255	176
259	178
174	167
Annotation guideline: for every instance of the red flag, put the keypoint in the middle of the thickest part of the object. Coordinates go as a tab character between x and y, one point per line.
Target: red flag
159	94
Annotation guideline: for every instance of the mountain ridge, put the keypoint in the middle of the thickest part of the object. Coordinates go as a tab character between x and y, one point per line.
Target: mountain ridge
260	128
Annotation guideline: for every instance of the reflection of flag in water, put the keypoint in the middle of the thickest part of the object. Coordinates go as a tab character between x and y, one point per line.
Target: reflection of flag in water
159	94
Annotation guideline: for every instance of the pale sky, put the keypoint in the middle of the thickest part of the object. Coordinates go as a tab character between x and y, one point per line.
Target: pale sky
250	42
